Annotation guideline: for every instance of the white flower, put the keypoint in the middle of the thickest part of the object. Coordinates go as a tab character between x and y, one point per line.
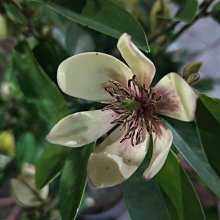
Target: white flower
24	191
133	109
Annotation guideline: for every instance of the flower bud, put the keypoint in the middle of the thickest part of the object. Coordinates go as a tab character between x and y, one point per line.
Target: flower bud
24	191
190	72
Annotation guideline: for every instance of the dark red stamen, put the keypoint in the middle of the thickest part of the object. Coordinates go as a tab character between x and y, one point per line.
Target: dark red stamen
138	120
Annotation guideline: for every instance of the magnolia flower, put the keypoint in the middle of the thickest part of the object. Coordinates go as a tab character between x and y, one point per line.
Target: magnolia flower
24	191
132	111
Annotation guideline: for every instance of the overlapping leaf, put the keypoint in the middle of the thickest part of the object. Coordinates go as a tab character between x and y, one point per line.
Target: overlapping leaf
186	141
73	181
169	196
105	17
208	124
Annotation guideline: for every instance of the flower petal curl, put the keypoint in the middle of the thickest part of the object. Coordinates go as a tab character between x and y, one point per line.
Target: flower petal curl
85	75
112	162
178	98
81	128
140	65
162	141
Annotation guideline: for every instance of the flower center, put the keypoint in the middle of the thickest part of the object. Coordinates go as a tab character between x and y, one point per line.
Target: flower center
136	108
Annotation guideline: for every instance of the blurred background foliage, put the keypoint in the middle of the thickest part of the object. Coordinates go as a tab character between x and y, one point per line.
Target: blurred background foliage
35	36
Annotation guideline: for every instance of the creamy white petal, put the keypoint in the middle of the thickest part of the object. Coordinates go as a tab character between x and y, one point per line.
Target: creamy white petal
26	195
162	141
85	75
178	99
112	162
140	65
81	128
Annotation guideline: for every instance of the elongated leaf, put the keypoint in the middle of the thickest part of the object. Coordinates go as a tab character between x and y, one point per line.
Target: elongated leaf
168	196
188	9
43	94
187	142
53	55
179	191
209	129
145	200
105	17
50	163
73	181
15	14
37	86
26	148
212	105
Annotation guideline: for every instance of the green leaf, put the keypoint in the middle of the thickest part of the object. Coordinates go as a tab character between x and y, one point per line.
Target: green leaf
216	12
179	190
73	181
44	94
50	164
213	106
144	199
186	141
204	85
188	9
208	125
143	196
26	148
73	34
105	17
169	196
37	86
15	14
53	54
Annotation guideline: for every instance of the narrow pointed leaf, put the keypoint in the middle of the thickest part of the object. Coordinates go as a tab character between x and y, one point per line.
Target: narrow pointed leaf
105	17
170	195
188	9
50	164
186	141
40	91
145	200
37	86
73	181
179	190
207	120
212	105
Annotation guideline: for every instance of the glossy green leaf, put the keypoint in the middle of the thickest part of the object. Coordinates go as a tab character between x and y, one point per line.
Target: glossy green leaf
105	17
40	91
216	12
15	14
212	105
26	148
179	191
73	181
188	9
53	54
145	200
168	196
207	113
73	34
50	164
186	141
37	86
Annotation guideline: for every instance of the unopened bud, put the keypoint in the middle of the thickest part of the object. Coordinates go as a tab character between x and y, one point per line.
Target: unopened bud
159	8
194	77
191	68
